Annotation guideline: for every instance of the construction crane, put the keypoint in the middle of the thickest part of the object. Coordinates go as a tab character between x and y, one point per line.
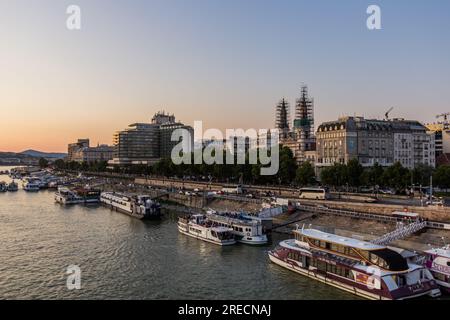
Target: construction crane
386	115
445	116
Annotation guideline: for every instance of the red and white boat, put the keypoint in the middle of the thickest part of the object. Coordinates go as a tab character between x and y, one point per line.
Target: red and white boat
438	262
362	268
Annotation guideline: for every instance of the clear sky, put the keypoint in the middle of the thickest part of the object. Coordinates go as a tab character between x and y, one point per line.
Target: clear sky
226	62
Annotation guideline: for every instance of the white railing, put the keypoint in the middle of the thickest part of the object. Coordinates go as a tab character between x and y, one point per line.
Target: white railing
401	232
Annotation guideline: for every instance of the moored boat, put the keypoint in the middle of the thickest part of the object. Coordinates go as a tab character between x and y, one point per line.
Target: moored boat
140	206
358	267
31	186
245	229
197	226
13	187
3	186
438	262
69	196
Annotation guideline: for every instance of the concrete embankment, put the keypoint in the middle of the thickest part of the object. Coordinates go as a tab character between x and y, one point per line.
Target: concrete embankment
360	229
441	214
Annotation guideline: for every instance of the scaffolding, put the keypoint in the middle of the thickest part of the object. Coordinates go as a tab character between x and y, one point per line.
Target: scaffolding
282	118
304	114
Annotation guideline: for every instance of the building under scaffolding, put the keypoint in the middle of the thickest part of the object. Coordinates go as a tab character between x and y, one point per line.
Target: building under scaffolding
301	139
304	113
282	119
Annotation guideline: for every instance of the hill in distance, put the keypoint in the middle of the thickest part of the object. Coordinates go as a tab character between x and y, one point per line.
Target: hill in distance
47	155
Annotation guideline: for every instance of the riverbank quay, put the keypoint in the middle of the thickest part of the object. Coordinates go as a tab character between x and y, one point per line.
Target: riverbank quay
168	191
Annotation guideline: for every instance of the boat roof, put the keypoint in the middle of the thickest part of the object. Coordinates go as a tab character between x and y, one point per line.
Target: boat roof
221	229
443	252
350	242
403	252
406	214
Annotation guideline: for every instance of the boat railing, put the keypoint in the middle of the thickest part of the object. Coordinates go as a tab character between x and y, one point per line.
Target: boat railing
232	220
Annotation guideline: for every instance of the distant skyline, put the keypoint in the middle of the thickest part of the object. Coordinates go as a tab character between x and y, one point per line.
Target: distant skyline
227	63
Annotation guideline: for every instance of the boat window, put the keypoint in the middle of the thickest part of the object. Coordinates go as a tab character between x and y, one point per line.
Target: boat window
349	274
388	259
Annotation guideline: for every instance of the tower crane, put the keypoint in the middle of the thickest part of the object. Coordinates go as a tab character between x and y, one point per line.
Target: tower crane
386	115
444	116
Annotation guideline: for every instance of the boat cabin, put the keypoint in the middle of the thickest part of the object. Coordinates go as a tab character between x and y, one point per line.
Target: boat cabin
367	253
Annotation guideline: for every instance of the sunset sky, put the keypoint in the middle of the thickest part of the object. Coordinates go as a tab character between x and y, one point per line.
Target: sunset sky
226	62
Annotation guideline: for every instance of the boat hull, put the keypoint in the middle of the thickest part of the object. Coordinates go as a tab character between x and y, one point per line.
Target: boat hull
224	243
355	290
153	216
254	241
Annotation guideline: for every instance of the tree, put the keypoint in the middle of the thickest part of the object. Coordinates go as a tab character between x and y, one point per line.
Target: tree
441	177
396	176
43	163
335	176
354	171
421	174
288	166
305	174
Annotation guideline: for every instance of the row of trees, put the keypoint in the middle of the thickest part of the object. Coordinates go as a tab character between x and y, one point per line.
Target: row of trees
338	175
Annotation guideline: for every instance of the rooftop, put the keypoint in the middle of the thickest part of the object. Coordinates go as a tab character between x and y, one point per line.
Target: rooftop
350	242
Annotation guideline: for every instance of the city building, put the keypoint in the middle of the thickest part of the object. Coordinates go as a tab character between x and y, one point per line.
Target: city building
282	119
138	144
147	143
74	149
166	144
81	151
374	141
99	153
441	135
301	139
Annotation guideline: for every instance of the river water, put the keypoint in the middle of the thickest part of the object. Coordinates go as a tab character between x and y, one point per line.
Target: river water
124	258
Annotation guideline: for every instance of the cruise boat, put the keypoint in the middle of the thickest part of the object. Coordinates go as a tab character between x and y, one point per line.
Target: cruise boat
245	229
438	262
13	187
197	226
140	207
358	267
31	186
3	186
68	196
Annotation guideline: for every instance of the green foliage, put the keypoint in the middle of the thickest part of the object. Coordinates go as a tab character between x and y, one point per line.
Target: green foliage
305	174
396	176
43	163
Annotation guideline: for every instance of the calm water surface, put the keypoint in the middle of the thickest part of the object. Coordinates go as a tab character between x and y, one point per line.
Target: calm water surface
124	258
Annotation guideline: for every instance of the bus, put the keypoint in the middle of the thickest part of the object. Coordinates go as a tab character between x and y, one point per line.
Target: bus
405	215
314	193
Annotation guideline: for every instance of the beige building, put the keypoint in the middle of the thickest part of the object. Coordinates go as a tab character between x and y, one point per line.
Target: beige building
81	151
374	141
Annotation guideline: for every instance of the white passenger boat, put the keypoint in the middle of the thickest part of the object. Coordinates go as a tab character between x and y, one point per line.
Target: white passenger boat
3	186
197	226
68	196
31	186
358	267
13	187
140	207
245	229
438	262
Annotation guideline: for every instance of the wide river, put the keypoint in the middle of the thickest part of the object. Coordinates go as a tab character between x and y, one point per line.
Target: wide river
124	258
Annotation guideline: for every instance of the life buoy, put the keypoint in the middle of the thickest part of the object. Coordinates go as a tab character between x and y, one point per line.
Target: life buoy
248	234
